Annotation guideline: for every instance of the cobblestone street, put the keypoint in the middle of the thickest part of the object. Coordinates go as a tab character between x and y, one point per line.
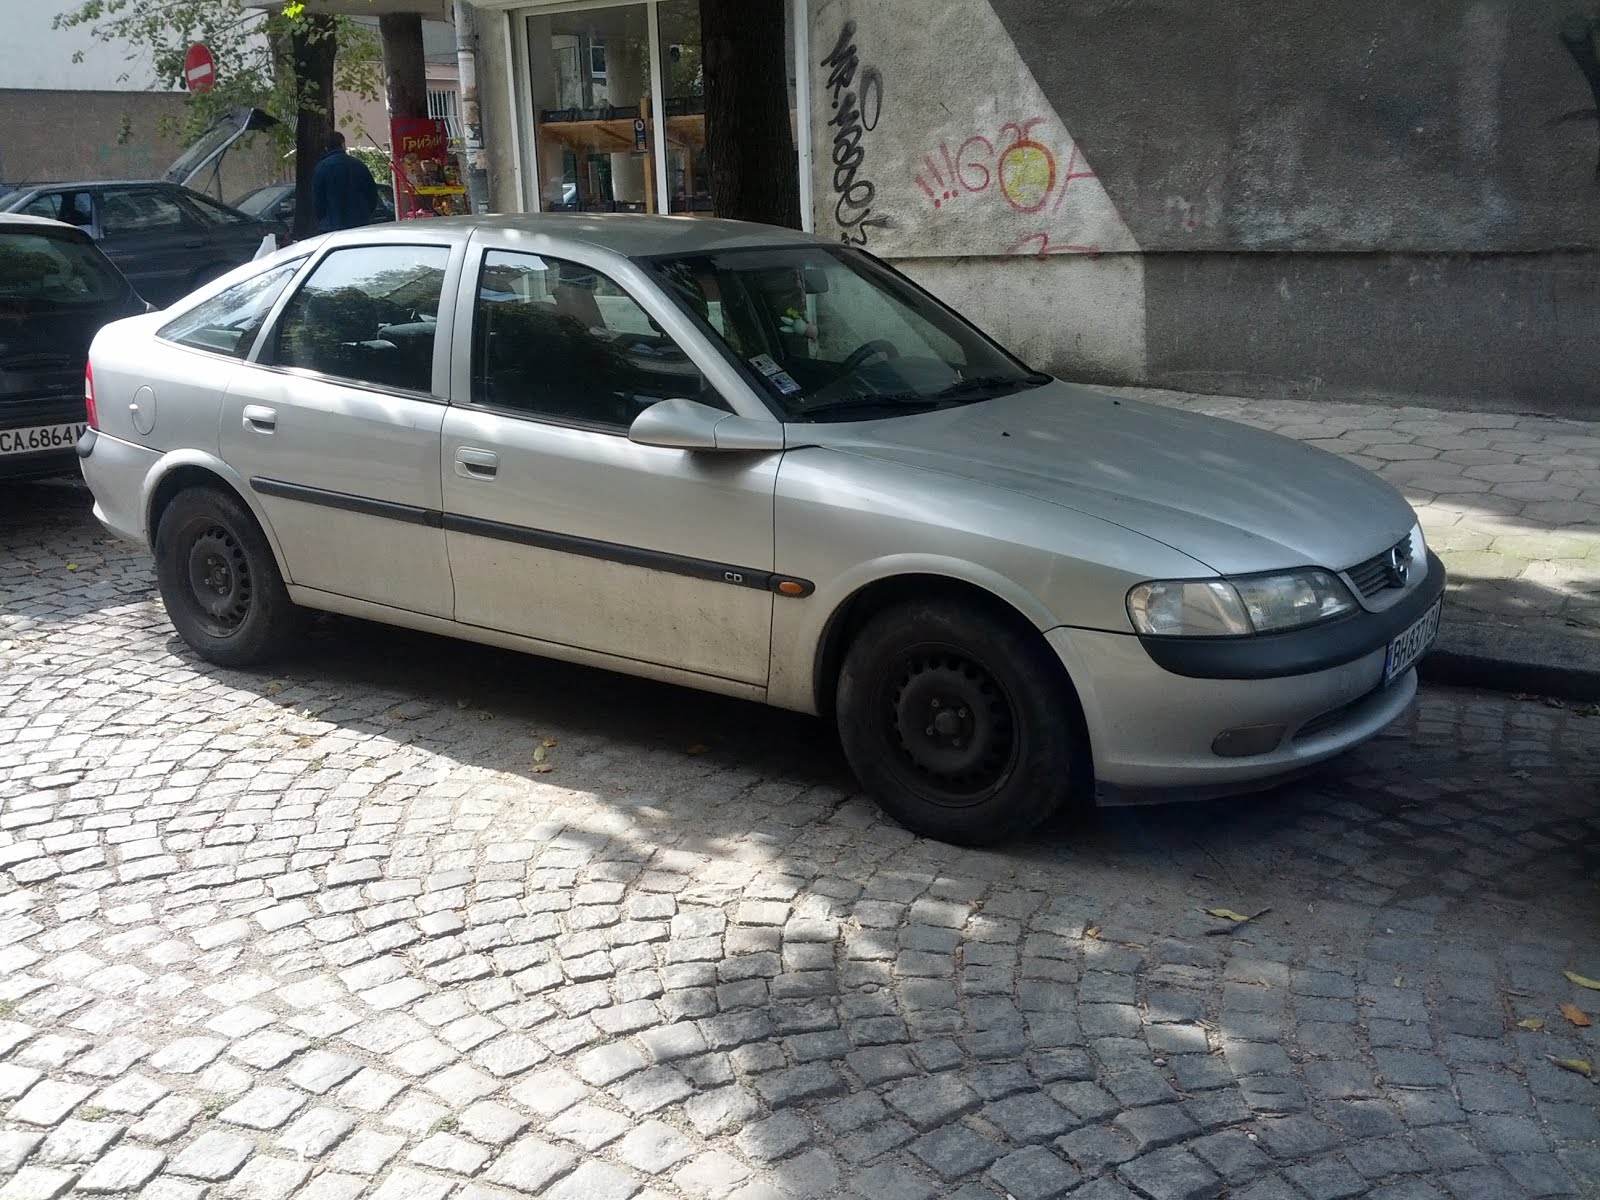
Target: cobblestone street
412	919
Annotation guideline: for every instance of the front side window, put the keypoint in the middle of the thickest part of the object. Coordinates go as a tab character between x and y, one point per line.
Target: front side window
140	210
557	339
367	314
832	335
40	269
229	321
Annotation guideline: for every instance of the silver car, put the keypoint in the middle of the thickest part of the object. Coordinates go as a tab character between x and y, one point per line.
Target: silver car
750	461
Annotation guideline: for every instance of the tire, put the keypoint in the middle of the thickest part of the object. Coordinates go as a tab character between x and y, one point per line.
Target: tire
219	580
959	724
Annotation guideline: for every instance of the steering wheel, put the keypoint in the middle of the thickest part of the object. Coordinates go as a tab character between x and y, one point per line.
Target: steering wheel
865	351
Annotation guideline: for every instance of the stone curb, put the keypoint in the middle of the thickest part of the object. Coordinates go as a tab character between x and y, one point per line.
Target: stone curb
1502	661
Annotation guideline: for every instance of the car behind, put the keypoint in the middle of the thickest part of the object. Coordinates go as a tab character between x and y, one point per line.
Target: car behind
56	291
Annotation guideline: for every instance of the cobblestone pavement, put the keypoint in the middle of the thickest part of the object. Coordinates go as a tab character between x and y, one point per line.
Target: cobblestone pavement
411	920
1511	502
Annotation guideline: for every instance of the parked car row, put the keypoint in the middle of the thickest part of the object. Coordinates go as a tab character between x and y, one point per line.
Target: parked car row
276	203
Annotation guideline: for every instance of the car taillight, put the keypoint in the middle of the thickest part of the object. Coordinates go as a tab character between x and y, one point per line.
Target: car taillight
88	397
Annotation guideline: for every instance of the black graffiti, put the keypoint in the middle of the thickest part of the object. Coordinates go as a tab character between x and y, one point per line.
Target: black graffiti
856	94
1578	36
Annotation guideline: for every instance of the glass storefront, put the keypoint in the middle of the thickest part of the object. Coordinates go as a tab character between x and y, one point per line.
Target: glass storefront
597	76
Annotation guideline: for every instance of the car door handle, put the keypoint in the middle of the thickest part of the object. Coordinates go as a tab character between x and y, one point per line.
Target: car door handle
476	464
260	419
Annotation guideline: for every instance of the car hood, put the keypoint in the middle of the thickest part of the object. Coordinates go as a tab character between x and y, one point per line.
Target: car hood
1235	498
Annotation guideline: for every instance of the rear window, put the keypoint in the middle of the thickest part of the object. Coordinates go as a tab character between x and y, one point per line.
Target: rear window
40	268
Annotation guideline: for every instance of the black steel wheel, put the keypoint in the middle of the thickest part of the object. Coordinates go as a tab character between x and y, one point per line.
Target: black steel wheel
959	723
219	580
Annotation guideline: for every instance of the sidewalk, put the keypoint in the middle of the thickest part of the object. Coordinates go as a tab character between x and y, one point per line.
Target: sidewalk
1509	501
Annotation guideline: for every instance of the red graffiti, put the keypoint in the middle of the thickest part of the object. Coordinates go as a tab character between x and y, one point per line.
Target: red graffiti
1047	247
1024	169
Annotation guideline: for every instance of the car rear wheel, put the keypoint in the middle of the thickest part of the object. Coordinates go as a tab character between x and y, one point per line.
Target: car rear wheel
958	724
219	580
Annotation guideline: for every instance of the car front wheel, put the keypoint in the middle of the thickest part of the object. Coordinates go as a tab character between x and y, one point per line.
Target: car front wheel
959	724
219	580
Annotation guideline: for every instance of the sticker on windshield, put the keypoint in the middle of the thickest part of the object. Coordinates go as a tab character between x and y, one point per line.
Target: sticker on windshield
785	383
765	364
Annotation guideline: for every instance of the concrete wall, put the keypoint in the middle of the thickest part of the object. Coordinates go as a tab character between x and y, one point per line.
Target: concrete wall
1380	196
111	135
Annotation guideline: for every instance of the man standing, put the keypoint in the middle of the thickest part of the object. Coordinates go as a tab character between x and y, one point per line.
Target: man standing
343	192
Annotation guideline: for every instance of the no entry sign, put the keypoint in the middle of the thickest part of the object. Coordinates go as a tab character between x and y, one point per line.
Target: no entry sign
199	69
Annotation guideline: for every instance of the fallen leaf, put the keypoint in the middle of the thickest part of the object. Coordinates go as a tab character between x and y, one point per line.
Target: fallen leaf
72	566
549	742
1576	1065
697	748
1226	914
1575	1014
1399	981
1530	1023
485	716
273	688
1581	981
463	702
540	754
543	768
1092	932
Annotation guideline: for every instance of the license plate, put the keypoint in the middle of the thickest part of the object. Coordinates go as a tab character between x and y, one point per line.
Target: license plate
1413	643
40	437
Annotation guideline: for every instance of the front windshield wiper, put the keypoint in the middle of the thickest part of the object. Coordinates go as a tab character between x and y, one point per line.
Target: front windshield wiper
985	383
908	402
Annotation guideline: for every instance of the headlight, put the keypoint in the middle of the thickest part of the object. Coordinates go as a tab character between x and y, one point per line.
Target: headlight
1234	607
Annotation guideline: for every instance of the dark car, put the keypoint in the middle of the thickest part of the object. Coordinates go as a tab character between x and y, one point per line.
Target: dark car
164	235
275	203
165	238
56	291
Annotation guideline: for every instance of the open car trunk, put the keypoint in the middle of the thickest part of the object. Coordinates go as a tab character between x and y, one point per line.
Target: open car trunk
200	166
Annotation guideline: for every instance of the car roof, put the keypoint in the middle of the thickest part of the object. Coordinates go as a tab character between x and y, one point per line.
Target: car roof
632	235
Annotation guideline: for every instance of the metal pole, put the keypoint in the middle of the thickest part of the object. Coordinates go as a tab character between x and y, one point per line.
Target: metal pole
471	120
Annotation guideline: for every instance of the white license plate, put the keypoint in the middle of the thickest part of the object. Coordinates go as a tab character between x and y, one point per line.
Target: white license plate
40	437
1413	643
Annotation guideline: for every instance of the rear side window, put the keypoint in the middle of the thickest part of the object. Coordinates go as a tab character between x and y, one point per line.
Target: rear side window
75	208
367	314
55	270
229	321
212	213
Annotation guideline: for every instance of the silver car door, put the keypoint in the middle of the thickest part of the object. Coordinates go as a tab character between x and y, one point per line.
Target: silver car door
335	427
561	529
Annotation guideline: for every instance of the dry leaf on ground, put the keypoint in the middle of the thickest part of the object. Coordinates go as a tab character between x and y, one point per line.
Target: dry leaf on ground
697	748
543	768
1574	1014
540	754
1227	914
1576	1065
1581	981
1530	1023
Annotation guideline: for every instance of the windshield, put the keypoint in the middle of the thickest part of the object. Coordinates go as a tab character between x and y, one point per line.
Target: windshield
257	202
832	335
55	270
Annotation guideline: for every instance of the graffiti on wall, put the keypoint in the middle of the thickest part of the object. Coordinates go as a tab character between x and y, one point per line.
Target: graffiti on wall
937	140
1578	36
855	101
1013	168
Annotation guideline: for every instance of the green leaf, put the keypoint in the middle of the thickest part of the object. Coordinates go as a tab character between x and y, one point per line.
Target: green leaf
1581	981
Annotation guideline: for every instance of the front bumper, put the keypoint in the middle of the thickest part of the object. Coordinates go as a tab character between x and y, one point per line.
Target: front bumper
1153	728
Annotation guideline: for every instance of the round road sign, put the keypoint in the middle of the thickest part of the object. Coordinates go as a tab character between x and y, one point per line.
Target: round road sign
199	69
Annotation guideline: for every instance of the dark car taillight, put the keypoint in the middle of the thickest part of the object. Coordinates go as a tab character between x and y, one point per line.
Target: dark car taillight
88	396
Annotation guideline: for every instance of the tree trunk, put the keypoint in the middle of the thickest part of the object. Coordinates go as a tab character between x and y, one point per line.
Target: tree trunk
312	46
405	75
754	176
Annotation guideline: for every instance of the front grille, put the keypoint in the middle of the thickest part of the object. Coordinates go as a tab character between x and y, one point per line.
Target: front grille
1380	571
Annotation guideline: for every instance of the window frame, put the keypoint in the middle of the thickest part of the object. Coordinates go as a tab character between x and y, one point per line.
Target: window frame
444	326
230	218
296	264
559	254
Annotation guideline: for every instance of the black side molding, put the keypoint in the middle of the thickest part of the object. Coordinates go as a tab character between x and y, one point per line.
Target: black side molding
86	443
1300	651
407	513
544	539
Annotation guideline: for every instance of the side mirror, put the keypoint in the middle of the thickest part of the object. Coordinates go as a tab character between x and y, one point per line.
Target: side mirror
690	425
